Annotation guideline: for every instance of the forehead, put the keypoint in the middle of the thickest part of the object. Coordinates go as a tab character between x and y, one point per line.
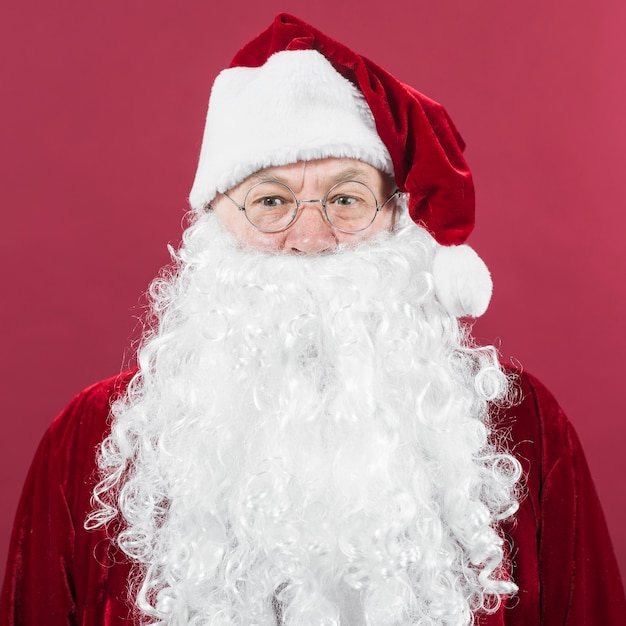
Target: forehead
323	171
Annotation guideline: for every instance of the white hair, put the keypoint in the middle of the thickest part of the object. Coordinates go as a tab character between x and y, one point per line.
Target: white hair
308	441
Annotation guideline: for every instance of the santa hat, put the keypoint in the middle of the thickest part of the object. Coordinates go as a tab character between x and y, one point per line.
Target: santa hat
294	94
294	107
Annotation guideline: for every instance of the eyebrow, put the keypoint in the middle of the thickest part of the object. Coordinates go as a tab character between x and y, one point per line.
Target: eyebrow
350	173
264	177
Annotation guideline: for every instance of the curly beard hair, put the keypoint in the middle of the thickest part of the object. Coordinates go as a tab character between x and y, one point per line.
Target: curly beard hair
308	442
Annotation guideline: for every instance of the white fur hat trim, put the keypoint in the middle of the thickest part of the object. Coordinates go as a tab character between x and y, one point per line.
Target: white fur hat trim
295	107
462	281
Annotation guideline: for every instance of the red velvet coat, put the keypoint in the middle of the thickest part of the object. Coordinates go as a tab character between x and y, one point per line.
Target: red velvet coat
60	574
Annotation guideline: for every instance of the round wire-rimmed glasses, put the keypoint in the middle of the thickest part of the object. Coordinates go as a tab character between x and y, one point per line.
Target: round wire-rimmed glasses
349	206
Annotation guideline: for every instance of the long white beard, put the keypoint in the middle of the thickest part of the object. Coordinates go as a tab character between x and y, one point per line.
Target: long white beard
308	441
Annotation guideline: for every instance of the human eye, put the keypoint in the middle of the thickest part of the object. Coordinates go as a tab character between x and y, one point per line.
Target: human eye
347	203
350	195
271	202
268	196
344	200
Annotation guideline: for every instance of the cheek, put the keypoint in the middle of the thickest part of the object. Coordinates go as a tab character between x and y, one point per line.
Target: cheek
240	228
385	220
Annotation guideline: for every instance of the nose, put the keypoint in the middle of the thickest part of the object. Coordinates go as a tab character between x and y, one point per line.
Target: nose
310	233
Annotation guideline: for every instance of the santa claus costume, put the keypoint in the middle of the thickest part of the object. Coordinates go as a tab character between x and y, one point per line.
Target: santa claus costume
316	440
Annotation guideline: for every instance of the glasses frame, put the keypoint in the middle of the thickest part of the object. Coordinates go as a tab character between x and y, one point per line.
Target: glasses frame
322	201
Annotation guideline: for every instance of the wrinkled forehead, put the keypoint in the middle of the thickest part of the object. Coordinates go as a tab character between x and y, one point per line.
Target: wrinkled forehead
321	174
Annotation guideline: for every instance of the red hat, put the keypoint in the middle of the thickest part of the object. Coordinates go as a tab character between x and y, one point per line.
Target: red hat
424	145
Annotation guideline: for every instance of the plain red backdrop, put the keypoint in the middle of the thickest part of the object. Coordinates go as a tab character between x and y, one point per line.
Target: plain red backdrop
102	112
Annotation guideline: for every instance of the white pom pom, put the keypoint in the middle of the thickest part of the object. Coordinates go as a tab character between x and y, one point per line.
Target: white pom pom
462	281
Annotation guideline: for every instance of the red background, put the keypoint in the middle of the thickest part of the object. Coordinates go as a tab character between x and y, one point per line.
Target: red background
102	111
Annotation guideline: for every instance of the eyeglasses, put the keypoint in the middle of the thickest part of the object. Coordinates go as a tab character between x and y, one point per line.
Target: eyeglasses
349	206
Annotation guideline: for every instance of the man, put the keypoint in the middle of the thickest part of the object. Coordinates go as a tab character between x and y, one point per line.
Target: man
311	436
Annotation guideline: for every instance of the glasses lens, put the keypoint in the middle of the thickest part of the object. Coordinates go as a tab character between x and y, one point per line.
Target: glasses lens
270	206
351	206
